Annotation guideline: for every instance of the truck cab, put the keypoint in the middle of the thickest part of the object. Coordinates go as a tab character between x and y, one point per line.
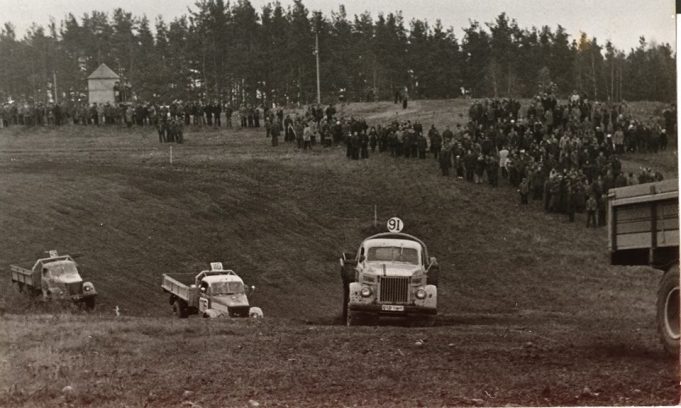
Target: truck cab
390	275
223	294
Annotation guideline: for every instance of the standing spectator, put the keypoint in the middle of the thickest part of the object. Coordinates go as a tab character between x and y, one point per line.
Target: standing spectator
445	162
275	131
524	189
591	207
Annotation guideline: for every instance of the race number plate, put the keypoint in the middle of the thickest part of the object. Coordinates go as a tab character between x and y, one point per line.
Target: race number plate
395	224
392	308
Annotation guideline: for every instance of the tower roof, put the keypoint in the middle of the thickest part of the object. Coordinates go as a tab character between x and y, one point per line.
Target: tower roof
103	72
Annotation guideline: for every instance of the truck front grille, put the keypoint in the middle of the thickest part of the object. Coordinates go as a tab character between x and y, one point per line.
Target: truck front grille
74	288
393	289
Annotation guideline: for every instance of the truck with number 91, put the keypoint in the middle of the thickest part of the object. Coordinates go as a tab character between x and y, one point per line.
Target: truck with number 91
390	276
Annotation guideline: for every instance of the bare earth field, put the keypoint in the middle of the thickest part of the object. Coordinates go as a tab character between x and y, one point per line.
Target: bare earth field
530	311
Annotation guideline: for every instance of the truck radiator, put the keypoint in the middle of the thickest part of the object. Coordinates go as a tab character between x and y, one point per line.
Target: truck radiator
74	288
393	289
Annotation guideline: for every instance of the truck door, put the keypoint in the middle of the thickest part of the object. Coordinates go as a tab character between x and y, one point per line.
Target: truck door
204	299
45	281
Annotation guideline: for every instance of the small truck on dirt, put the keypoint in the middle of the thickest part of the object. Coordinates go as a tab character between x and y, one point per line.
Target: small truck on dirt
55	278
211	293
643	229
390	275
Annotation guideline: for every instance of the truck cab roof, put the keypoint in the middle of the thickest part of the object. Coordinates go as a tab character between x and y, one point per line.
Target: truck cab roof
400	238
231	277
54	260
391	242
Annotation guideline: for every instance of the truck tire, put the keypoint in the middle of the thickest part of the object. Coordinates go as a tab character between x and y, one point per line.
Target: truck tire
180	309
89	303
668	311
352	318
360	319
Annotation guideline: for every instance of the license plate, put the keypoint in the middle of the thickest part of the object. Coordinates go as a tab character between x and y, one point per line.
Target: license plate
392	308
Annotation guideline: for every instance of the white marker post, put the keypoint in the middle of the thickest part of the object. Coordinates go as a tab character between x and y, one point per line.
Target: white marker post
375	216
171	154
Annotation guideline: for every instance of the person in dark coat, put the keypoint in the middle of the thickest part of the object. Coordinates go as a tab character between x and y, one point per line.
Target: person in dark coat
364	145
422	146
355	142
373	139
275	131
435	141
524	189
445	162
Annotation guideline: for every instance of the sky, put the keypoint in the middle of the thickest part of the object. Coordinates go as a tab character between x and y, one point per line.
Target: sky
620	21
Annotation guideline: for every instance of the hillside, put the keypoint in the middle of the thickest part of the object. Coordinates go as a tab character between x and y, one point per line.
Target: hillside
511	276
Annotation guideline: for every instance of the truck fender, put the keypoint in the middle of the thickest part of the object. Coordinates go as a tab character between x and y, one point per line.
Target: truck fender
354	296
256	313
91	290
431	297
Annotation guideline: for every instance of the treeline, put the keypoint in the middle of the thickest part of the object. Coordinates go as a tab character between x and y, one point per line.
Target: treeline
236	53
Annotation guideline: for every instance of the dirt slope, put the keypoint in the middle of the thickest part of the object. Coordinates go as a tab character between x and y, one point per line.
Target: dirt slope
281	217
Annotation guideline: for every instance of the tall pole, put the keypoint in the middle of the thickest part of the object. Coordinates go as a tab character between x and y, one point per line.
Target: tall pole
316	53
54	82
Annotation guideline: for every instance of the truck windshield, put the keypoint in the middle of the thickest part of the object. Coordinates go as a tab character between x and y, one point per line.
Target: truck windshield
226	288
393	254
65	270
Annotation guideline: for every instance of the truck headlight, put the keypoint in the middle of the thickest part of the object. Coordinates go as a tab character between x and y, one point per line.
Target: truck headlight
365	291
420	293
88	287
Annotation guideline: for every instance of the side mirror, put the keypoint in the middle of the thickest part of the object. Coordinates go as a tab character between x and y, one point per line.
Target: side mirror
362	258
433	260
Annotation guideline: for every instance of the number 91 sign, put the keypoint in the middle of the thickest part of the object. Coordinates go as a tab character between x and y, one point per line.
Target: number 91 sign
395	224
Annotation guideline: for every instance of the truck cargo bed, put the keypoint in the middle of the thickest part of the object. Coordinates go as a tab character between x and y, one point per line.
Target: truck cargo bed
24	276
180	285
644	224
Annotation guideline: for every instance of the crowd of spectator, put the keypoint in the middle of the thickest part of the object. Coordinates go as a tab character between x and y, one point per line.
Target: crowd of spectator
564	155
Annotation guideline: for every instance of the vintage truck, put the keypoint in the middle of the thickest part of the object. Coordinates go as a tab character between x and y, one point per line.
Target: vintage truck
390	275
211	293
643	229
55	278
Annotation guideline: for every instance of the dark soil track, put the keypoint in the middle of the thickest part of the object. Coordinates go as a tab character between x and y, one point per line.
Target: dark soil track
531	313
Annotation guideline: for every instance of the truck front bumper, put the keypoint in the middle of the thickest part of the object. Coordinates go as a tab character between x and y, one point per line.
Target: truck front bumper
392	310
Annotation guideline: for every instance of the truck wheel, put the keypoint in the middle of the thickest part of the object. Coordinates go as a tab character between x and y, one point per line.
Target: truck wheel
90	303
351	318
179	309
360	319
668	310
